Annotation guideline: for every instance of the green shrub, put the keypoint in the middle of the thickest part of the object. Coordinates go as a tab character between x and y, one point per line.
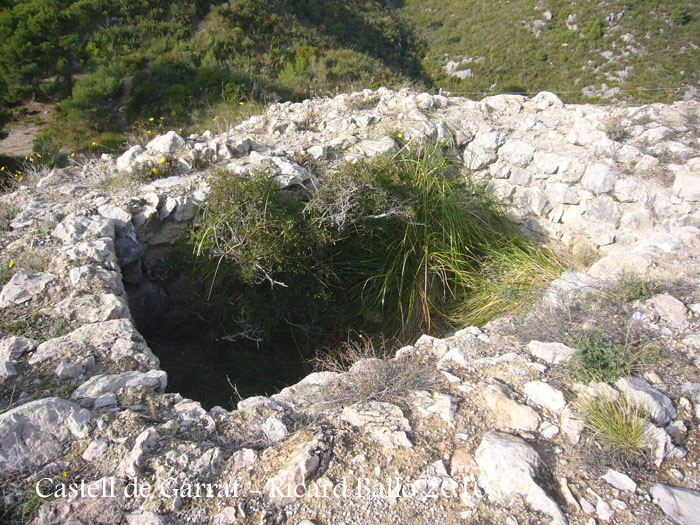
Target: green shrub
599	359
91	96
616	131
398	244
46	147
256	247
635	288
680	15
594	29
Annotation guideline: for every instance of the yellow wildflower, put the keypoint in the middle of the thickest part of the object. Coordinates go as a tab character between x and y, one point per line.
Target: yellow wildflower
162	160
72	154
94	143
151	119
400	135
154	170
12	263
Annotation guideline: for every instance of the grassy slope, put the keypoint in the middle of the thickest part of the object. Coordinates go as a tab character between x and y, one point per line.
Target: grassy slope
498	35
190	63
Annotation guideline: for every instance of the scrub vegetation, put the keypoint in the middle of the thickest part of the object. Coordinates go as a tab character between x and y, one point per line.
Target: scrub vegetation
397	246
109	67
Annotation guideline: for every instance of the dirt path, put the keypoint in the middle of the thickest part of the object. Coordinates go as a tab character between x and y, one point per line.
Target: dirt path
19	140
21	134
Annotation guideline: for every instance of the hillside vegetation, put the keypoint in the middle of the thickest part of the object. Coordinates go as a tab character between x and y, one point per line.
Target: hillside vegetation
117	69
648	49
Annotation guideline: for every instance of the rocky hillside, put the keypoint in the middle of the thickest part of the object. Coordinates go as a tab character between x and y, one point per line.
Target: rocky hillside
612	50
584	408
108	67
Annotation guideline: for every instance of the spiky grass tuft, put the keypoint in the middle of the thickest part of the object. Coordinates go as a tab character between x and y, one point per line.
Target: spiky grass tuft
616	422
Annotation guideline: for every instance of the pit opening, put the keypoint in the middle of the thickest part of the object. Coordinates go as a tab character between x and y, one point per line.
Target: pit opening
266	279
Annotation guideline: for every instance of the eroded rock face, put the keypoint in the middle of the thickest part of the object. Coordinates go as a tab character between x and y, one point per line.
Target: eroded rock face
23	286
383	423
31	435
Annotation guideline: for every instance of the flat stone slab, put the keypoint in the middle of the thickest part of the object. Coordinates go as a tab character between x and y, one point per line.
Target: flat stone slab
23	286
383	423
34	434
679	504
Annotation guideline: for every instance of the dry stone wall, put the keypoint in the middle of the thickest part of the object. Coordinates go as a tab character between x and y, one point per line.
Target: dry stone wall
496	436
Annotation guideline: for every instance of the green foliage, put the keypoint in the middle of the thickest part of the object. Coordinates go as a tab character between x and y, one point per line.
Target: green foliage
257	248
680	15
598	359
635	288
46	148
574	56
397	244
616	131
85	110
594	29
42	38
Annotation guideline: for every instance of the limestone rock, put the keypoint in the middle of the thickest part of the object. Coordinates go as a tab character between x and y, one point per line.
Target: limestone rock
165	144
92	308
66	370
12	348
605	210
599	179
375	148
426	404
620	481
127	159
31	435
114	341
509	414
100	252
382	422
545	395
131	465
552	353
84	278
75	228
680	504
77	511
640	393
290	483
687	186
670	309
23	286
510	468
104	384
517	152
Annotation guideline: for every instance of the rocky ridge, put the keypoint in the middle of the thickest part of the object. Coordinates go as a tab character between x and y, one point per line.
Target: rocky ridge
496	435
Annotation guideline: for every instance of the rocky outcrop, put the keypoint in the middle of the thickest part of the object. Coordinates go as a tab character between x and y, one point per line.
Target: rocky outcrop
499	438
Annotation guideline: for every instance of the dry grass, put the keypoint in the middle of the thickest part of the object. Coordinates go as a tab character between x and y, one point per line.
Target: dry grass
368	374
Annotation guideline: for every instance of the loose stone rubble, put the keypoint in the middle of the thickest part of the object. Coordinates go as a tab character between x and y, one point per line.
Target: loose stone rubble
499	438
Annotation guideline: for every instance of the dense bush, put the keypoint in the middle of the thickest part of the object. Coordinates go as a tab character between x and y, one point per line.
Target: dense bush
393	244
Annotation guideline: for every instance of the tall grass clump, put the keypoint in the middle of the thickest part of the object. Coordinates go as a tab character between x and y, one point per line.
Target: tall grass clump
616	422
396	245
420	241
